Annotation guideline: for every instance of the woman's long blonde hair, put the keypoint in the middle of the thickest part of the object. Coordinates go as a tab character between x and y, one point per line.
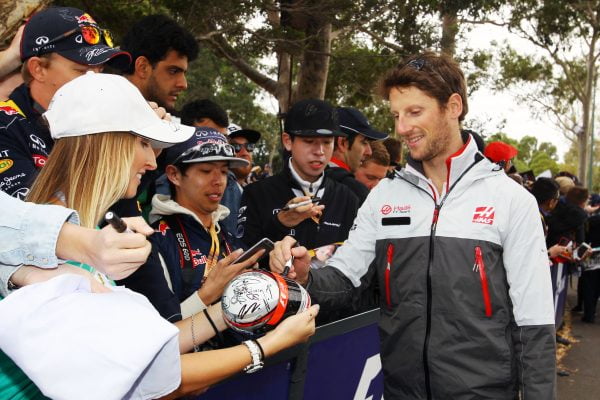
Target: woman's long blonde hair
91	171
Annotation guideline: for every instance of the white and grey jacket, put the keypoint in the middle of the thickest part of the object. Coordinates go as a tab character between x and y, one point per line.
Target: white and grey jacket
466	300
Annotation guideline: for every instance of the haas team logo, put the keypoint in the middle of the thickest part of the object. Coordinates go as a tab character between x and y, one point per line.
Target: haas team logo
484	215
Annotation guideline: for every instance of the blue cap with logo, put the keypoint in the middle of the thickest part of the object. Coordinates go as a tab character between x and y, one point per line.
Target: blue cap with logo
205	145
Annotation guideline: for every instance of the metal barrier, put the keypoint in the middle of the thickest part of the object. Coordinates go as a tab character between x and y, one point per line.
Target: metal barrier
341	361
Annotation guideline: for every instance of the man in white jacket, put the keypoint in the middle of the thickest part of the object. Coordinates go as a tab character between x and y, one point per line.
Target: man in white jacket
458	251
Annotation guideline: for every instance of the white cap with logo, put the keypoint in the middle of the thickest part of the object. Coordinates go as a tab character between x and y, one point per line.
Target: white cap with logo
96	103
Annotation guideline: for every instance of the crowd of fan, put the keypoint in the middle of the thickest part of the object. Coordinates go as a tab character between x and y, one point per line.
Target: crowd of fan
204	198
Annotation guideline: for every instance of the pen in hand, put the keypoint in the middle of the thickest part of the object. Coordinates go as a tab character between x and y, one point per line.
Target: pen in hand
116	222
288	264
300	204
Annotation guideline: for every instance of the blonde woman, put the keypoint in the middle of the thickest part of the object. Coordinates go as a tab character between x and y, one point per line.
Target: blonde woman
104	145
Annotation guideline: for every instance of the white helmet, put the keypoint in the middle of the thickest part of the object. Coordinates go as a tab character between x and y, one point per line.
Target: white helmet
259	300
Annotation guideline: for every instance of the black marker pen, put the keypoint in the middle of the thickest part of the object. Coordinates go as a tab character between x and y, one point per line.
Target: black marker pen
116	222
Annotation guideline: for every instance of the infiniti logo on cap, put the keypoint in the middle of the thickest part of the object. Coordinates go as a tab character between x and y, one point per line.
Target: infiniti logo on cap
40	40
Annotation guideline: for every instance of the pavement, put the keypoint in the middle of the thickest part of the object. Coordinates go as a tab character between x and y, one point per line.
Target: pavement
582	359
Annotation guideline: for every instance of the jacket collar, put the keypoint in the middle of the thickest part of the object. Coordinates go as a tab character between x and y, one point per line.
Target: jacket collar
457	165
162	204
25	102
336	162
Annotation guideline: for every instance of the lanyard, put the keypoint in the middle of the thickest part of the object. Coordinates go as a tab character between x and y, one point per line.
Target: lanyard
185	250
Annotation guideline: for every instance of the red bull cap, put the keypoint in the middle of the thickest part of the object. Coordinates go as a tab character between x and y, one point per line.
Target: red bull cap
74	35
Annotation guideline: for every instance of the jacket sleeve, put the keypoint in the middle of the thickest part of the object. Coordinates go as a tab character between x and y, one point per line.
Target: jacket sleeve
530	289
335	285
150	281
254	225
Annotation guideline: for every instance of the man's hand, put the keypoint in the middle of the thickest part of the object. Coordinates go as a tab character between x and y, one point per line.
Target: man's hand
556	250
222	273
293	217
283	251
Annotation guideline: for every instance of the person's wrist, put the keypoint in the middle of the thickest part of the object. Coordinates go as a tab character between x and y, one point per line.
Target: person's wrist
269	344
206	293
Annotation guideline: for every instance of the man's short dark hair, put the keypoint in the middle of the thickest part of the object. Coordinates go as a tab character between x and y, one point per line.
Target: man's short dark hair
545	189
438	75
153	36
199	109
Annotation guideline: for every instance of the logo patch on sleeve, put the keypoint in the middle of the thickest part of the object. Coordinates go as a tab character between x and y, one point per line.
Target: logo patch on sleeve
484	215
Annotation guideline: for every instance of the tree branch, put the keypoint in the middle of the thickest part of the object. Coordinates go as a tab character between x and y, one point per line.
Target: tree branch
482	22
382	40
216	40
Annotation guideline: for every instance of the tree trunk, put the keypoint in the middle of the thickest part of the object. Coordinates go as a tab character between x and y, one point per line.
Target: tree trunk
449	32
586	131
314	66
13	13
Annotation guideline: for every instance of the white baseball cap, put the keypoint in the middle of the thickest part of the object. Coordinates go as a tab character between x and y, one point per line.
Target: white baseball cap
96	103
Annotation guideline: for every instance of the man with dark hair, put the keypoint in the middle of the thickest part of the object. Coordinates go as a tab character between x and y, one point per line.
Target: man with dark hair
58	45
310	129
189	239
206	113
458	251
350	151
374	168
161	50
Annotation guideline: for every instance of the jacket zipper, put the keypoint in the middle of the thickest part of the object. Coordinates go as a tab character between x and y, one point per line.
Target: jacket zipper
436	213
390	257
480	267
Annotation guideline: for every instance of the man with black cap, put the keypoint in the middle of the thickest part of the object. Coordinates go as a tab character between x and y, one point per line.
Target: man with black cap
58	45
350	151
243	142
189	240
270	207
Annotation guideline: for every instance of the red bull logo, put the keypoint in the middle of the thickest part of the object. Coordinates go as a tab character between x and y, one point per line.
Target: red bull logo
162	227
85	18
8	110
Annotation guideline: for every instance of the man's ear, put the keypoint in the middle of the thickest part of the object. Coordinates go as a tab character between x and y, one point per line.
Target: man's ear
37	68
173	174
143	67
454	105
341	144
286	139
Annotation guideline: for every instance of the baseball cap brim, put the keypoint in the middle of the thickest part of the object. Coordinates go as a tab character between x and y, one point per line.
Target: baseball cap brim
234	162
163	134
97	55
250	134
316	133
367	132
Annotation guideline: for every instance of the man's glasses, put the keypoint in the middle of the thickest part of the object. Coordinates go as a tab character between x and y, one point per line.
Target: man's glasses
206	150
420	64
89	33
237	147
